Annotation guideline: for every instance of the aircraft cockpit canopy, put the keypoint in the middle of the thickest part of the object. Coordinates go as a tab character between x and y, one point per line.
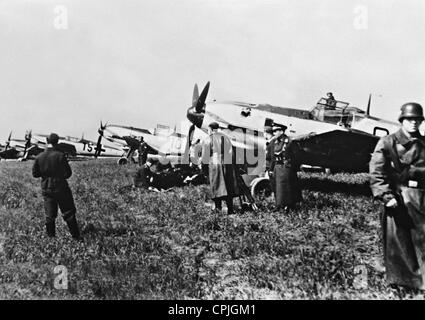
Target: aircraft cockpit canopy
334	111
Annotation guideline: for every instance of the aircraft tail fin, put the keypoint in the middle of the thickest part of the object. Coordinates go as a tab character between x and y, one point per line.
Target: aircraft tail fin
368	105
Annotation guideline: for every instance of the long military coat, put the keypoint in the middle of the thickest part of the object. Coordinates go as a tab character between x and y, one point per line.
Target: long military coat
397	170
284	182
217	151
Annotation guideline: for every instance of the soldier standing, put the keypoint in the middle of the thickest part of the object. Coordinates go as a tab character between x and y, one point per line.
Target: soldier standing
222	172
282	170
397	179
53	168
143	151
268	135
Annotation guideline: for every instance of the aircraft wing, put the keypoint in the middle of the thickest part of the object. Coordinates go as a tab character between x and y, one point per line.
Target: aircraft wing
170	144
347	150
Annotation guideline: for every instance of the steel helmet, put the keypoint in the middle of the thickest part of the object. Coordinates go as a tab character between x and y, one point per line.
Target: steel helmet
53	138
411	110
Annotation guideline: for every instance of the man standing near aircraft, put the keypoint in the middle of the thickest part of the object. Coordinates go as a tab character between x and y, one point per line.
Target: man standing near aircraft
397	179
53	168
268	135
282	170
143	152
217	151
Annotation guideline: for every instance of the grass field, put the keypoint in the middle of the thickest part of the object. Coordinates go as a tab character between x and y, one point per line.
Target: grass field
146	245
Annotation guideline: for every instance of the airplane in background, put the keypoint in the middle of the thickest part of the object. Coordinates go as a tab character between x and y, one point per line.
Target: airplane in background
335	136
81	147
167	146
20	149
75	148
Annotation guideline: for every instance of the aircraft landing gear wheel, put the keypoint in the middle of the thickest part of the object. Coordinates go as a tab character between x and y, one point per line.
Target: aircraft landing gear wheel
261	189
122	161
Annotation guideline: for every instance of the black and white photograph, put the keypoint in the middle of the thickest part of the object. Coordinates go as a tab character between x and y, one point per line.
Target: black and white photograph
212	150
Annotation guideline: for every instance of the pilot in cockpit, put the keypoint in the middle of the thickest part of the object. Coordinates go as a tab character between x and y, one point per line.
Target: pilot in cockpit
330	101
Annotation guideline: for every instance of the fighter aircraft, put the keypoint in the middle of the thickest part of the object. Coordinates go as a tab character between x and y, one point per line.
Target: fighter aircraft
170	145
20	149
75	148
81	147
335	136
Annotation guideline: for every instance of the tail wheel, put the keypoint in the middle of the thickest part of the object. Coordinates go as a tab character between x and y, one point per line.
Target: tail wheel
261	189
122	161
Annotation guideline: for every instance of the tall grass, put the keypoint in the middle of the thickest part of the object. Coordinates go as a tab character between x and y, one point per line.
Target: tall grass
146	245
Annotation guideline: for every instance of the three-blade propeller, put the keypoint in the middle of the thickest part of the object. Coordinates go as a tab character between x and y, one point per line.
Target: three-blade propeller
199	103
99	140
8	141
195	113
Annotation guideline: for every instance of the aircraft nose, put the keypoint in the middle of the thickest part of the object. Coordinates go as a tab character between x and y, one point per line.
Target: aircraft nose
195	117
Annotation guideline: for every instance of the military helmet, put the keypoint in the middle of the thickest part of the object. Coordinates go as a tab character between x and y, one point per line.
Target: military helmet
411	110
53	138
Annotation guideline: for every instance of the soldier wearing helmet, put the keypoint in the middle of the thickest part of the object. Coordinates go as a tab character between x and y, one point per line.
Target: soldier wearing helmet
330	101
397	179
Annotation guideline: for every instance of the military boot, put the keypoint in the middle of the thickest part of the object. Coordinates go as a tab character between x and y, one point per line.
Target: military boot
73	228
50	229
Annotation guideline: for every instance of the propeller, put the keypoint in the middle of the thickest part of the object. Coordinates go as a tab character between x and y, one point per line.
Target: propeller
8	141
99	140
195	95
186	157
200	102
195	113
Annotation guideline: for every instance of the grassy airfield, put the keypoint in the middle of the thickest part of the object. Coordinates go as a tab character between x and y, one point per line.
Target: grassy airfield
146	245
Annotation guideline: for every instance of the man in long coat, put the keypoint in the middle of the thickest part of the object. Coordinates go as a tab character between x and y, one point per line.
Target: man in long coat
282	170
217	150
397	179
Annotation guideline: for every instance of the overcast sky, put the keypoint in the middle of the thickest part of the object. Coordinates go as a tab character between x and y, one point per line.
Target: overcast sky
136	62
